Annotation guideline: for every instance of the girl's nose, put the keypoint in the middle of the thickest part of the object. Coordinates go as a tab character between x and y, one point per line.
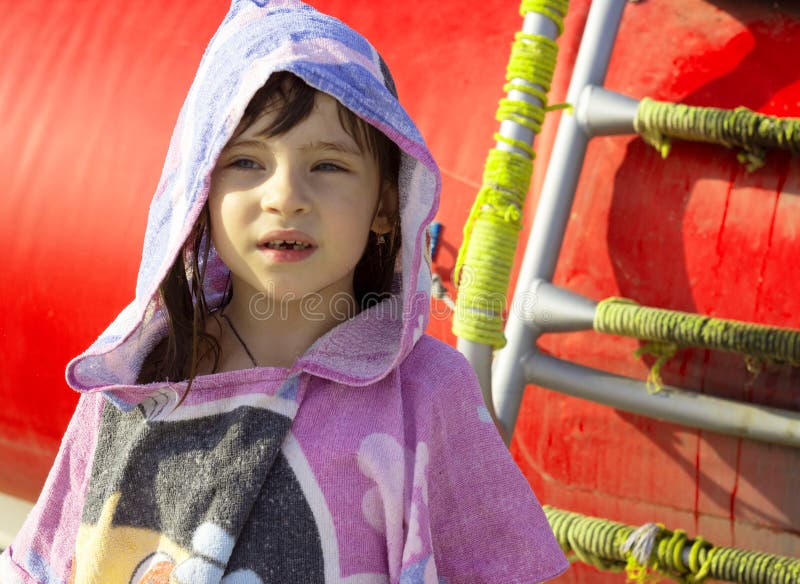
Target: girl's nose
285	194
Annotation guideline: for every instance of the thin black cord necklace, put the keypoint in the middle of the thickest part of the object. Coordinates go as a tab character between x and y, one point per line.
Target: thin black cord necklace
239	338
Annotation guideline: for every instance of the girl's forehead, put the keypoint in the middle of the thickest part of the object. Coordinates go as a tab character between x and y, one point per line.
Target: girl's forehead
323	123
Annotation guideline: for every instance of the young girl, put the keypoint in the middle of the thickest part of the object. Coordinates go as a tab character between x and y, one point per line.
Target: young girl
268	409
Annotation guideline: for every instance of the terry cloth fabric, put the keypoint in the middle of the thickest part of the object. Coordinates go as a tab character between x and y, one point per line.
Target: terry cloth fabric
370	460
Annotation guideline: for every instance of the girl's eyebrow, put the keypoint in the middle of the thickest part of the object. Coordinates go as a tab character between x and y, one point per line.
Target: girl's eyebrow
317	146
343	147
247	143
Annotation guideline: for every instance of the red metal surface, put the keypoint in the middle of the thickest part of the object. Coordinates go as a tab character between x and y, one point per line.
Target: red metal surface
91	90
89	94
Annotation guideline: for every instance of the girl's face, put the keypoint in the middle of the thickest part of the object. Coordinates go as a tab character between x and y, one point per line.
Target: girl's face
290	214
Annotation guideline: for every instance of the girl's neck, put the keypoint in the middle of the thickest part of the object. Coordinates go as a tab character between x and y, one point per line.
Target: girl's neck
275	334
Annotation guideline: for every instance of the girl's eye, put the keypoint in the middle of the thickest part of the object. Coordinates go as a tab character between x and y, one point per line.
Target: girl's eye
245	163
328	167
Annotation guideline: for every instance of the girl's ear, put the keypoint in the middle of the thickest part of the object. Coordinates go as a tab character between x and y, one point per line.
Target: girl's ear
383	221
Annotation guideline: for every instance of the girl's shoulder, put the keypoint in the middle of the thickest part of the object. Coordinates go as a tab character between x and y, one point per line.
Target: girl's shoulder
436	371
432	357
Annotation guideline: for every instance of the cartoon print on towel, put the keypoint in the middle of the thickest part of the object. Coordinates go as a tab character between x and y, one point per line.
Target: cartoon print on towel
173	501
385	462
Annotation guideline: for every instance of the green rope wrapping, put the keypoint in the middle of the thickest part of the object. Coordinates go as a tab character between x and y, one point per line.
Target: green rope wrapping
670	329
555	9
609	545
492	231
483	266
658	121
620	316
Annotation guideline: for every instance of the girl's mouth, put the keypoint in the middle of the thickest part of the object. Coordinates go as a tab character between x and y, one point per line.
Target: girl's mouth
280	250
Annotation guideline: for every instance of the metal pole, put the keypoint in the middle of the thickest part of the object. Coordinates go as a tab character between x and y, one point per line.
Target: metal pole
696	410
555	202
478	354
559	310
603	113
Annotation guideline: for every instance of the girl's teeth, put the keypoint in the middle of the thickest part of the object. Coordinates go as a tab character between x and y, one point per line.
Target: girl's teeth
279	244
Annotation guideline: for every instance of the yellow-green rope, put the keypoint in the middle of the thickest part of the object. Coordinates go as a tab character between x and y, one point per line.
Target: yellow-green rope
658	121
483	266
670	329
651	551
555	9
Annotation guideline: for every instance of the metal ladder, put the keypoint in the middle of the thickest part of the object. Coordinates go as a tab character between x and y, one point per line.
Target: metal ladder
540	307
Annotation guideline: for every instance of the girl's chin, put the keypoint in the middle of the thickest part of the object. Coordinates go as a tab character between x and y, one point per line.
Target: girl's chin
271	301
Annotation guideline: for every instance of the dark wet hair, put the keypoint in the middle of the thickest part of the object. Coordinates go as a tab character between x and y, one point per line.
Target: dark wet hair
181	295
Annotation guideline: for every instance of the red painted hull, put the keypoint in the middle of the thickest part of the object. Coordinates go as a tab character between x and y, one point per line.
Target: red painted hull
90	96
